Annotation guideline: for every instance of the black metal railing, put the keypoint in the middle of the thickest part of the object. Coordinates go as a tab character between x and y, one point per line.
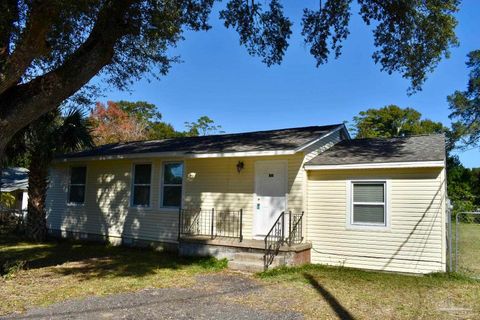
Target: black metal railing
274	240
295	229
211	223
279	235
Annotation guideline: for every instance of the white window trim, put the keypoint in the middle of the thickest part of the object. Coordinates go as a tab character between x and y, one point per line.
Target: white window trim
77	204
368	226
132	186
163	184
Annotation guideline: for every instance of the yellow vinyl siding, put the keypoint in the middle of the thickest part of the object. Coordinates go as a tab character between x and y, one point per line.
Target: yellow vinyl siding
217	184
415	241
107	211
107	208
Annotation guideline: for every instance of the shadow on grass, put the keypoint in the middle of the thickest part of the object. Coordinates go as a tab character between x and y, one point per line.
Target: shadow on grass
88	260
339	309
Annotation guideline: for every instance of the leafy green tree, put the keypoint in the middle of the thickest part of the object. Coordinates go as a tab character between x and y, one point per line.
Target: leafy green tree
465	105
142	110
393	121
50	134
163	130
203	126
463	188
149	115
50	50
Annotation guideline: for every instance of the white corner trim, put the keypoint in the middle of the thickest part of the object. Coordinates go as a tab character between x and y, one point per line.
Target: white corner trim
308	144
380	165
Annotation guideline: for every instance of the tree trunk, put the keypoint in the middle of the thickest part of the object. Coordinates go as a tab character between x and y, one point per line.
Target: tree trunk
23	103
36	229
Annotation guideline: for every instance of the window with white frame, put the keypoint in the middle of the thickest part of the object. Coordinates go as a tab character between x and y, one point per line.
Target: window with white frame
76	188
142	176
172	181
368	205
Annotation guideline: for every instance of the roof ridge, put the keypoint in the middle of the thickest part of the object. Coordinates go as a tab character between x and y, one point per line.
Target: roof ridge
402	137
218	135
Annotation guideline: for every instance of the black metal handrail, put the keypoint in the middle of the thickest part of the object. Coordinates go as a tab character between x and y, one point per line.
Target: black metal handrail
295	228
274	240
211	223
276	237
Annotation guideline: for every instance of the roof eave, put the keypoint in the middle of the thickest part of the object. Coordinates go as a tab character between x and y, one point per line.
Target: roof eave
187	155
378	165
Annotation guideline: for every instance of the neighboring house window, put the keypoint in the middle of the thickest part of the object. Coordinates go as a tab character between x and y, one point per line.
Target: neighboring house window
142	176
76	188
172	184
369	203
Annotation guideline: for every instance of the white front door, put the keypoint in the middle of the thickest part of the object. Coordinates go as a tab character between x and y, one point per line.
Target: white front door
270	195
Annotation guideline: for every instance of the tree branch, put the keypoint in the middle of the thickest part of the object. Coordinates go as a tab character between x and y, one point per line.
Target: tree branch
26	102
32	43
9	14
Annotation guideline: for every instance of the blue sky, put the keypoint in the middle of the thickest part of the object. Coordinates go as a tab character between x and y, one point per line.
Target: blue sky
219	79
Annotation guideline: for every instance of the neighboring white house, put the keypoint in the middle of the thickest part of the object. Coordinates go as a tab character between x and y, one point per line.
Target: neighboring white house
372	203
15	182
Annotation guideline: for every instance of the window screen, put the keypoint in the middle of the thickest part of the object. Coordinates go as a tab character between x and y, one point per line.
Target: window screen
172	184
368	203
141	185
78	178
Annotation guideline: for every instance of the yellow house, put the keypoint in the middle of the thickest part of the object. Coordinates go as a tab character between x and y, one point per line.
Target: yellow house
263	198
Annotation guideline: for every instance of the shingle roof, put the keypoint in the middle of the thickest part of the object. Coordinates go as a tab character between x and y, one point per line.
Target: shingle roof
405	149
13	179
272	140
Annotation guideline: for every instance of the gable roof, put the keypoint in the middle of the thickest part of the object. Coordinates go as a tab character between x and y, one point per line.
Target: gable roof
377	150
13	179
258	141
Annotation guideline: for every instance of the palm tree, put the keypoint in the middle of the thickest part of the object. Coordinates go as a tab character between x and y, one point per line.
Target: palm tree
41	141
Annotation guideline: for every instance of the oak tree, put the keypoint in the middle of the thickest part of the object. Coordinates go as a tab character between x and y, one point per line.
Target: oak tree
51	49
465	106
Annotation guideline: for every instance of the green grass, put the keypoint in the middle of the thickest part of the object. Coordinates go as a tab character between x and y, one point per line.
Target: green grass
469	248
41	274
329	292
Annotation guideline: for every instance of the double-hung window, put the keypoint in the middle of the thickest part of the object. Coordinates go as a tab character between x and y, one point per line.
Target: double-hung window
142	176
368	203
172	184
76	188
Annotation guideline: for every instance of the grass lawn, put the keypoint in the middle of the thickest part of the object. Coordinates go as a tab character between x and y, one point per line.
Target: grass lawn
469	248
41	274
322	292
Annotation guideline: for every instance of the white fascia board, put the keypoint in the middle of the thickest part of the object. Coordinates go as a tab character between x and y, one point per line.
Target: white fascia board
181	155
340	127
380	165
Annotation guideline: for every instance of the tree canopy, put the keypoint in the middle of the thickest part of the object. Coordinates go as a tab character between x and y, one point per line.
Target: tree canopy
393	121
50	50
202	127
112	124
124	121
465	105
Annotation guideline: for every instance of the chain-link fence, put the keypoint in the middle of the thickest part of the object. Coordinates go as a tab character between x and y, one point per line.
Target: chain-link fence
466	246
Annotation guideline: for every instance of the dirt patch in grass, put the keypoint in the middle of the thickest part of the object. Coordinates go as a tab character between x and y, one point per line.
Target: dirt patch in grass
321	292
57	271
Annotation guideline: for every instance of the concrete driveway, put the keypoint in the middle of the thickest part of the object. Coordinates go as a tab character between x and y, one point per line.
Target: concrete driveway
208	299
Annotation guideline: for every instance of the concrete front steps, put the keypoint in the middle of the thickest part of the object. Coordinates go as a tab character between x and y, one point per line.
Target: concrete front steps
246	255
253	262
